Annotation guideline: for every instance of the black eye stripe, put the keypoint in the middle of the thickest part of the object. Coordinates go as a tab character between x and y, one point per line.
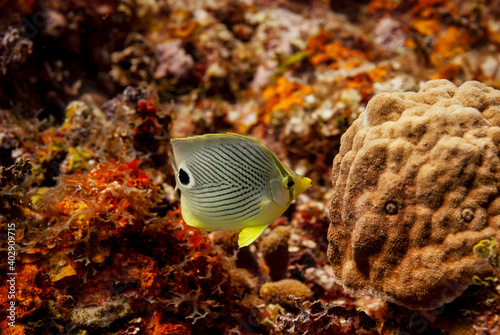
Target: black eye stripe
184	177
290	183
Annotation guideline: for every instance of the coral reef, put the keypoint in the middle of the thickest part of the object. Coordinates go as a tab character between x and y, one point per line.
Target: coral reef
316	318
101	316
415	189
488	249
281	292
86	210
274	248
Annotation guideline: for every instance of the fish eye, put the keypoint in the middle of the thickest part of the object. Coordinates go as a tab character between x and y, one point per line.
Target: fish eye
288	182
184	177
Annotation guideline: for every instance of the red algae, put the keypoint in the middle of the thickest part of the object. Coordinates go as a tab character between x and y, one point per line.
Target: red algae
315	318
157	326
90	208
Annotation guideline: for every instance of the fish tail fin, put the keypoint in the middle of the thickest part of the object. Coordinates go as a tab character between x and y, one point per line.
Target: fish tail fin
249	235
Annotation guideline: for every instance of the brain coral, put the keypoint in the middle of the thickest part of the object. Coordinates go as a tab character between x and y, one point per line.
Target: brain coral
416	186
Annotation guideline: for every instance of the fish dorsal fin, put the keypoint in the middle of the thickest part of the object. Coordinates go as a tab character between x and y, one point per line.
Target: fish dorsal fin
183	146
283	170
279	195
249	235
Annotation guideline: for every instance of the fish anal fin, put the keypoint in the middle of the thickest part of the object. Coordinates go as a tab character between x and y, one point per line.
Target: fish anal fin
189	218
249	235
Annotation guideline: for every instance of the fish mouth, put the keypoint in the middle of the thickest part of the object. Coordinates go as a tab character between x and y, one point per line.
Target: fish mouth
301	184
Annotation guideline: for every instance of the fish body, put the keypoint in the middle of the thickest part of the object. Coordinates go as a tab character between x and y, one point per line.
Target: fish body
232	182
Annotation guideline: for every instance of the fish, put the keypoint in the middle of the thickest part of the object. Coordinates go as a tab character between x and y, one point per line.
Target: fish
232	182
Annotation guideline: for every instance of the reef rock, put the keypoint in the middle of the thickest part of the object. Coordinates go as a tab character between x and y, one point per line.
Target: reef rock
281	292
416	186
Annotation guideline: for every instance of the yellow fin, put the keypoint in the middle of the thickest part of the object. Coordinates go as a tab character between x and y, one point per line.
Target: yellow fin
250	234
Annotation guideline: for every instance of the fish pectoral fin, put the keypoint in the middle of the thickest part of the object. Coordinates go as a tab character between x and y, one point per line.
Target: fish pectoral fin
279	194
249	235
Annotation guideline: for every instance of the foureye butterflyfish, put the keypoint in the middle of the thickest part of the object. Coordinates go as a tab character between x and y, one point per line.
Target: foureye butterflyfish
232	182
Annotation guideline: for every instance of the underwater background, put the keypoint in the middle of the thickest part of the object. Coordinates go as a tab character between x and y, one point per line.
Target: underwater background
92	240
